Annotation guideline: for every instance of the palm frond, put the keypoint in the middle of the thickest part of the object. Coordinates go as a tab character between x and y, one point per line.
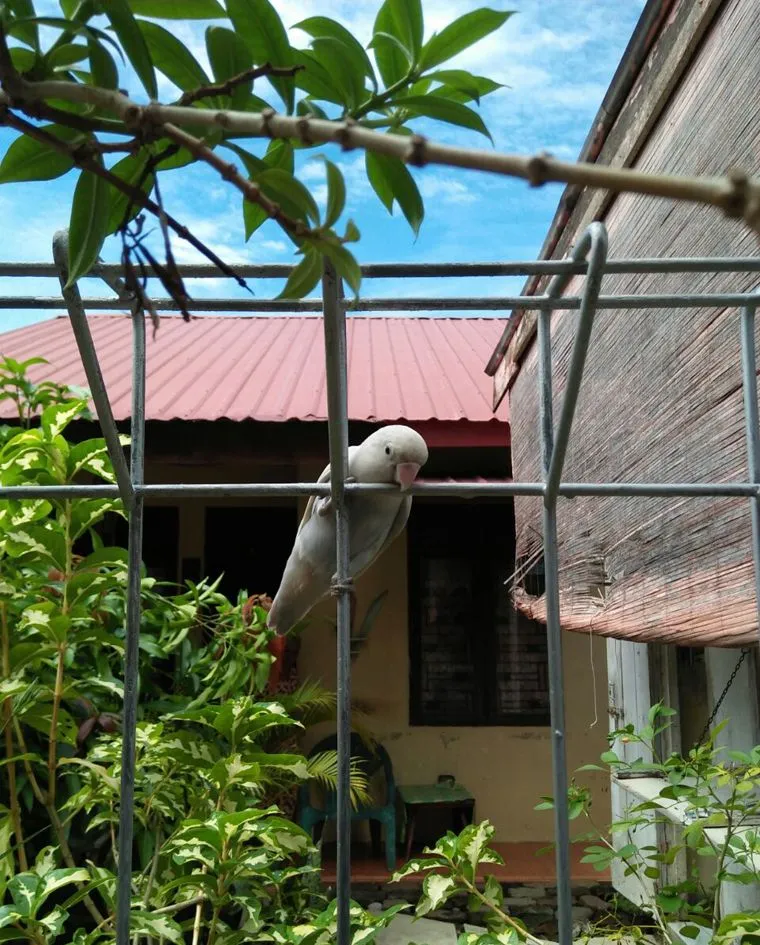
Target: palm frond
323	768
310	703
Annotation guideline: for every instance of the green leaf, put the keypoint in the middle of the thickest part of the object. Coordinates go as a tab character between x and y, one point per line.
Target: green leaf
24	10
252	163
179	9
279	153
352	234
390	178
336	193
304	277
378	179
28	159
392	64
432	106
130	170
88	225
259	25
57	879
102	66
125	26
229	55
23	59
407	19
345	264
156	926
384	43
57	417
9	915
436	889
472	86
44	543
314	78
294	198
323	26
172	57
67	26
98	770
310	109
347	75
460	35
66	55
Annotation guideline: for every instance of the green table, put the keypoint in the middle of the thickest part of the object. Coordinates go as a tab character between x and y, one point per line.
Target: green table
455	797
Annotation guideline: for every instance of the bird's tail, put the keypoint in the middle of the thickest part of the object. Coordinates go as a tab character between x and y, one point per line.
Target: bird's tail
293	601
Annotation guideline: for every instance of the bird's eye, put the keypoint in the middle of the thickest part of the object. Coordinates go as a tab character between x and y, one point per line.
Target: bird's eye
387	451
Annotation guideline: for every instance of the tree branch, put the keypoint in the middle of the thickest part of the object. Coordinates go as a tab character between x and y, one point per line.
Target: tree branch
72	120
229	172
136	195
736	194
229	85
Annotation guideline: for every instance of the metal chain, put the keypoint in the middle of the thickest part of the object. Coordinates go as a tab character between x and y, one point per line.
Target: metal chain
706	731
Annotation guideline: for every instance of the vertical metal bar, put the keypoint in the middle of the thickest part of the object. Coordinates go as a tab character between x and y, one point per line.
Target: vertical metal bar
554	640
749	384
596	235
337	418
81	330
131	650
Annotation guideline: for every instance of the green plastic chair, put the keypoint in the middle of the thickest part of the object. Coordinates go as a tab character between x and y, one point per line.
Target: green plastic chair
373	759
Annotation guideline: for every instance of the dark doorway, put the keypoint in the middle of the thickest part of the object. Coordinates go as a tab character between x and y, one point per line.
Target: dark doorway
250	544
160	541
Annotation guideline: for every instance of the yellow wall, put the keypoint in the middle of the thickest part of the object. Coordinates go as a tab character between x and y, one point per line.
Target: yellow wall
507	769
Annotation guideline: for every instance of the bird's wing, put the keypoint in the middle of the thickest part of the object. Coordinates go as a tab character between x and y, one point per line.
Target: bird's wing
309	510
322	504
362	559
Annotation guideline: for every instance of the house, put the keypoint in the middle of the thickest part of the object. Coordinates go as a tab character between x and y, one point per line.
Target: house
670	582
455	679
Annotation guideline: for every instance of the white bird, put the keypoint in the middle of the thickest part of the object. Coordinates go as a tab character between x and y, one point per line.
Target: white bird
392	454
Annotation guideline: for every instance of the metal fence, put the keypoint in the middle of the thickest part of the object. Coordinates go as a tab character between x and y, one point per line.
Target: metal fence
589	257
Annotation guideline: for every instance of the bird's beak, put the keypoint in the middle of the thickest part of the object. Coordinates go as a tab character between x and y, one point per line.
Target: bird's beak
406	473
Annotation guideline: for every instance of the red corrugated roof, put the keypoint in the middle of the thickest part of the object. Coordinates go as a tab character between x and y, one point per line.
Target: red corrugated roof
272	368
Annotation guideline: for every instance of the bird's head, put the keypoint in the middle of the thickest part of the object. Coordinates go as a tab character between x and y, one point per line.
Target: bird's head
392	454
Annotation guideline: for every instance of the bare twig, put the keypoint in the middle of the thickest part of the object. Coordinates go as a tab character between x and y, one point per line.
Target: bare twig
735	193
134	193
179	906
229	85
229	172
113	147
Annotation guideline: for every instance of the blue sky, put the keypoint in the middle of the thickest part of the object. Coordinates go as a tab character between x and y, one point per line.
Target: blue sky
556	57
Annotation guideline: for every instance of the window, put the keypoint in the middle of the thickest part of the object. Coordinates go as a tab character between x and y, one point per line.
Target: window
473	659
249	545
160	540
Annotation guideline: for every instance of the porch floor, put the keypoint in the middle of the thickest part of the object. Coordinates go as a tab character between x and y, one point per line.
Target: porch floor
521	865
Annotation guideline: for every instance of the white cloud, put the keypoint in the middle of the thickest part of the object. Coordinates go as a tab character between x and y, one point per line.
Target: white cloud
445	188
274	246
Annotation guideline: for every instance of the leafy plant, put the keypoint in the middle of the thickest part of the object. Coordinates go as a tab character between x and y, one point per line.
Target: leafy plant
452	868
360	637
717	795
212	855
96	48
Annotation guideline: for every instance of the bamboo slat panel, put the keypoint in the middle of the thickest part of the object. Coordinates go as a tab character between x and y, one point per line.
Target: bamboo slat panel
661	398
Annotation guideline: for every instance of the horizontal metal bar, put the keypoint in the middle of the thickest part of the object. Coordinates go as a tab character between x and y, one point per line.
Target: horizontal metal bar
217	490
420	304
430	270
